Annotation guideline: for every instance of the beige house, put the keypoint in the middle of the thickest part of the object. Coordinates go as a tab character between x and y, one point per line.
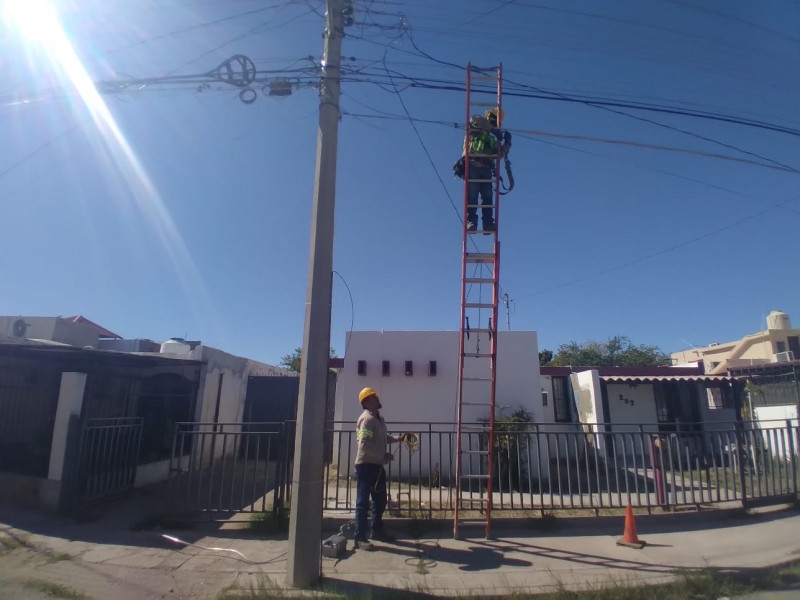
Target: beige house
778	343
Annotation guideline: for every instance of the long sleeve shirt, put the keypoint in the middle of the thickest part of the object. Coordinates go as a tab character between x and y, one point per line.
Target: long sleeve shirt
371	437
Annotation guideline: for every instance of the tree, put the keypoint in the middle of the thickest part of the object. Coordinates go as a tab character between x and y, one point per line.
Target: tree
545	356
293	361
616	352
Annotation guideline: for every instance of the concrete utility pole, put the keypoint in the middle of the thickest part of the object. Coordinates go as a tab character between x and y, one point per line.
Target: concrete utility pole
305	527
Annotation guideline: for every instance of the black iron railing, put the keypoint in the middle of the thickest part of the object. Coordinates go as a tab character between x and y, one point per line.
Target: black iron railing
540	467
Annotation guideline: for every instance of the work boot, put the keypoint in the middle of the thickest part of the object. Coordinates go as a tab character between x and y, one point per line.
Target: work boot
489	227
363	545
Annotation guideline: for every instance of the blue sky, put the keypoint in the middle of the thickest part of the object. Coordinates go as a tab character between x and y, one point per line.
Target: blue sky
173	209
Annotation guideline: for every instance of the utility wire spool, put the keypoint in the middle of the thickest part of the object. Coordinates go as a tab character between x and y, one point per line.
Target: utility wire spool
411	440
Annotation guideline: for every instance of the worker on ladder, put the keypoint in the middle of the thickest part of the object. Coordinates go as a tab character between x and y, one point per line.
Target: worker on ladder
486	141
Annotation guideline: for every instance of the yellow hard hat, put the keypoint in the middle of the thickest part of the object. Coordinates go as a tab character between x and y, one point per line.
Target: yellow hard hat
498	113
366	393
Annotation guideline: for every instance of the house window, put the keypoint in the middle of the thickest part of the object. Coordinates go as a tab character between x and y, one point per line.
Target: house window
794	345
544	398
362	367
719	397
780	346
561	400
663	413
432	368
385	368
409	367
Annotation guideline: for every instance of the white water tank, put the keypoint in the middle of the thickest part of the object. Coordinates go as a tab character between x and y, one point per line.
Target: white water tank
778	319
175	346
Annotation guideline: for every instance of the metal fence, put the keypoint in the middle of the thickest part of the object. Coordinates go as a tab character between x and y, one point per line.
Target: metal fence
549	467
231	467
246	467
107	457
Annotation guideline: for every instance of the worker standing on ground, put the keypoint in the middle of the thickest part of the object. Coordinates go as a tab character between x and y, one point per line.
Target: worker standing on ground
486	142
372	437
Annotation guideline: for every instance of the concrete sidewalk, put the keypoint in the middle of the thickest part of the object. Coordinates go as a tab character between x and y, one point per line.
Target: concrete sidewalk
106	559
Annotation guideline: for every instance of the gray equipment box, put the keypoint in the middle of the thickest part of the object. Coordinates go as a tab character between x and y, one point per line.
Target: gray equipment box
334	546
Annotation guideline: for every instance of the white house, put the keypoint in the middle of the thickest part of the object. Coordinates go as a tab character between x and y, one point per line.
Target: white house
416	375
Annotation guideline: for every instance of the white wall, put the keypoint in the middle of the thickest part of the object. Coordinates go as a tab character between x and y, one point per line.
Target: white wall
422	400
626	416
772	421
433	399
639	408
235	372
70	404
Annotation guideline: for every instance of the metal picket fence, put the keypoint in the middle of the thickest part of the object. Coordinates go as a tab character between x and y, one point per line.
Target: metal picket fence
246	467
551	467
231	467
107	457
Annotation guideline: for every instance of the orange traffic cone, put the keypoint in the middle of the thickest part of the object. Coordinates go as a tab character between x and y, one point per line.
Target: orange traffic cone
629	537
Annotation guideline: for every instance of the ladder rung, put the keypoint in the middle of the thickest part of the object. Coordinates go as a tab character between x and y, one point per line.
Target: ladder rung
478	280
477	355
478	305
477	257
475	452
465	504
480	180
476	379
476	427
480	206
479	330
475	476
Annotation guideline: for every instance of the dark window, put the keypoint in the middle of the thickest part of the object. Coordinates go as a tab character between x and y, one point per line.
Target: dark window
544	398
775	389
720	397
432	368
663	413
780	346
794	345
166	399
28	403
362	367
409	367
561	400
385	368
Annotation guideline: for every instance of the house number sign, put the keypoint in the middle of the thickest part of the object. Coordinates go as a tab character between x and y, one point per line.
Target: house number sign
625	400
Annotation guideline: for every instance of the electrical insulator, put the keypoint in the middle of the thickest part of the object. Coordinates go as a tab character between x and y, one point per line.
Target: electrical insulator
347	12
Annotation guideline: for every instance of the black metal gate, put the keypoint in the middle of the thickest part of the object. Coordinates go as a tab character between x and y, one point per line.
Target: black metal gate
108	457
231	467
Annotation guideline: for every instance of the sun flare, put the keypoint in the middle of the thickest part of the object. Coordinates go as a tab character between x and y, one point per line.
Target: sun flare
37	20
39	23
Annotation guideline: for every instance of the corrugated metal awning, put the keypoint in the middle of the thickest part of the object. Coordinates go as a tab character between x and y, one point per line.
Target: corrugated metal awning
666	378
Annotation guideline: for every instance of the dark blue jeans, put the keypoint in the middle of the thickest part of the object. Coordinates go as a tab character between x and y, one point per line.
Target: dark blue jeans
482	189
370	482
